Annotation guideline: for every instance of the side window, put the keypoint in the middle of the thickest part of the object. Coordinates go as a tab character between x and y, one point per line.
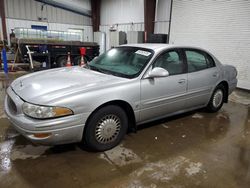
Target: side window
210	61
196	61
170	61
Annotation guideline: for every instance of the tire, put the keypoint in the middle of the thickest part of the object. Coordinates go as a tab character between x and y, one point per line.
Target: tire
61	61
217	99
105	128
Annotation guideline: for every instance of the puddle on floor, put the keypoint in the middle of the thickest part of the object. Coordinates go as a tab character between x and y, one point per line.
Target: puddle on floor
164	171
120	156
5	153
197	116
28	152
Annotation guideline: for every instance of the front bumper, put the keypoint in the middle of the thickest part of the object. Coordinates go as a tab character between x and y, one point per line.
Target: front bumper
62	130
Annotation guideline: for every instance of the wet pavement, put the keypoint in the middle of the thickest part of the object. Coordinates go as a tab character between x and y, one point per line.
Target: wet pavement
197	149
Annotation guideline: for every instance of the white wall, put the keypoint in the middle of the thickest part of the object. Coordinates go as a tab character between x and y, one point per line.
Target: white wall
222	27
125	15
121	11
24	13
31	10
162	16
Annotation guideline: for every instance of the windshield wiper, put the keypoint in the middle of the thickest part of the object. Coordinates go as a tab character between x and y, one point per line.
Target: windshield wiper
98	69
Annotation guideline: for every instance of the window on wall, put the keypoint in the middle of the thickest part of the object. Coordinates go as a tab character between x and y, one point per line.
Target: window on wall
78	31
171	61
39	27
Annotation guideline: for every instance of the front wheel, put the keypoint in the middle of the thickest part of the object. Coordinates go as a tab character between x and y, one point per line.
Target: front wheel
217	99
106	128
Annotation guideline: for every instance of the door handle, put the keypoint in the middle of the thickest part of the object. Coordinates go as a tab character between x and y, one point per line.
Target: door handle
181	81
215	74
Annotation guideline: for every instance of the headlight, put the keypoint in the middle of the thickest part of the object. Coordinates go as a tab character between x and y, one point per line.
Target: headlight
43	112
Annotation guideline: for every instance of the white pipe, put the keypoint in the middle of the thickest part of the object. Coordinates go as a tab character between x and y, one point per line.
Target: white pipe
30	57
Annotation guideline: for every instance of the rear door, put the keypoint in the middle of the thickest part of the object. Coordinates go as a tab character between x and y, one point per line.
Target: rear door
202	77
163	95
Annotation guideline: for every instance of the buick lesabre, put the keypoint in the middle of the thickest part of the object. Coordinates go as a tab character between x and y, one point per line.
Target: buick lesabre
121	89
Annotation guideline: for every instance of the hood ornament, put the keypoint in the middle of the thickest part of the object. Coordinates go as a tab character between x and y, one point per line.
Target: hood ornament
21	84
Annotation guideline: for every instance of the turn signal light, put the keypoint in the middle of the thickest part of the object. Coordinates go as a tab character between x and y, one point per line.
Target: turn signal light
42	135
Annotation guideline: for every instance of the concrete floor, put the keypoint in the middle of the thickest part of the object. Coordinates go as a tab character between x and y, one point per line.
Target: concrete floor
196	149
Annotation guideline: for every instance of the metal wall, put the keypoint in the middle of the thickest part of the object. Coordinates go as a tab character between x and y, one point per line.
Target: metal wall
121	11
124	15
162	16
32	10
24	13
222	27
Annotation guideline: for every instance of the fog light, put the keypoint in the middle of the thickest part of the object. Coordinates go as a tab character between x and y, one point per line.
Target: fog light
42	135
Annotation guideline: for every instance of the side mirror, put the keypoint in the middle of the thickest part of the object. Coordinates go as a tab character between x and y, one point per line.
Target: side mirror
157	72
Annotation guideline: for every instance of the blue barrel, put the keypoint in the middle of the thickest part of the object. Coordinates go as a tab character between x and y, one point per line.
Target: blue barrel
5	65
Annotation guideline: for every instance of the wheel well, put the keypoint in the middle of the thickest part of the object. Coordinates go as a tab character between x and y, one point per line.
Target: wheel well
126	107
225	85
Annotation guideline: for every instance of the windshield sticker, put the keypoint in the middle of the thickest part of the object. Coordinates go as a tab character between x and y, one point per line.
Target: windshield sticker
144	53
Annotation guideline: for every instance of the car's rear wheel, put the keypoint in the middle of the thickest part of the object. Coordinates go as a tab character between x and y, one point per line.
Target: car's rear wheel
217	99
106	128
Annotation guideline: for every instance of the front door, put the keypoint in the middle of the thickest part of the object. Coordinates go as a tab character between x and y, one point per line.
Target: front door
164	95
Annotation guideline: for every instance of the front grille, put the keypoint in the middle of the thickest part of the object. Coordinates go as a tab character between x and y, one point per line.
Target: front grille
11	105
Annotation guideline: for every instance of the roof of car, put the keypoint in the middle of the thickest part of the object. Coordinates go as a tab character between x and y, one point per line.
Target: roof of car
159	46
152	46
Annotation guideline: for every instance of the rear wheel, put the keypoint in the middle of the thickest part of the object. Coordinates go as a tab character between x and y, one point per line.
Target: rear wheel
106	128
217	99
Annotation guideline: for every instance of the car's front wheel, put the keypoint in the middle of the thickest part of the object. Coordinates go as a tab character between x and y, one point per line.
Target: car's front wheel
106	128
217	99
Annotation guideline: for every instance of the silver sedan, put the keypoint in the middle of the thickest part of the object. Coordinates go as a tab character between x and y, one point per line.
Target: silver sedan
121	89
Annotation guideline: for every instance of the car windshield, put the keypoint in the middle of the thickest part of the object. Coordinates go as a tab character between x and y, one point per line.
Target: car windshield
125	62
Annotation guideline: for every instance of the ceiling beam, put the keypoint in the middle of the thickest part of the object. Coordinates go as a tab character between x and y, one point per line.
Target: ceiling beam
3	18
95	7
149	15
67	6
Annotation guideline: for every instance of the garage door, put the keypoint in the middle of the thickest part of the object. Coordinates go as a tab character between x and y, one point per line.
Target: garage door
222	27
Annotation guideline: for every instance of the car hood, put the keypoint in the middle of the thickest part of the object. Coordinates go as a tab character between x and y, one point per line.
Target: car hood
45	86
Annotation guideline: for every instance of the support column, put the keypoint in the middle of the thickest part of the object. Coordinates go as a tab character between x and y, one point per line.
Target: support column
3	18
149	16
96	8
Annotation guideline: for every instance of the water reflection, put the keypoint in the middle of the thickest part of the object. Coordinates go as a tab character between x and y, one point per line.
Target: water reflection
243	174
218	125
5	152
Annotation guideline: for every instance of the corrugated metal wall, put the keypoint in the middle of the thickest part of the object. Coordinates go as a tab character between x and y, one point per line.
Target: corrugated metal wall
125	15
222	27
32	10
24	13
121	11
162	16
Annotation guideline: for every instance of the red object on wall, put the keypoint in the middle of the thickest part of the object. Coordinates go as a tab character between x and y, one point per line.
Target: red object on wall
83	51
